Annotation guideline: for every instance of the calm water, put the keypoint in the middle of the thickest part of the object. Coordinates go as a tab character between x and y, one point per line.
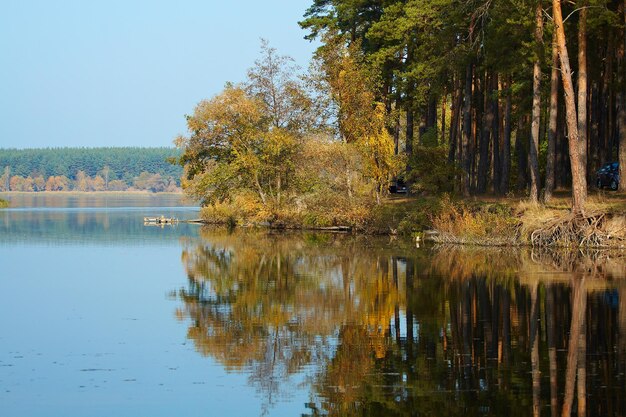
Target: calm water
103	316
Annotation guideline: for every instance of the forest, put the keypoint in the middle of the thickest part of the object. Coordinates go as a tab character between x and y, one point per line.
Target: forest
507	86
89	169
468	98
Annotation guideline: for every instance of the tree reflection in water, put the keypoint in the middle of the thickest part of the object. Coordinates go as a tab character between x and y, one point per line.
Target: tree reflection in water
385	330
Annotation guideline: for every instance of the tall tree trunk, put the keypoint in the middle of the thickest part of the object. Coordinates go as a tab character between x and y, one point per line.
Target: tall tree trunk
563	171
495	133
521	154
603	129
598	151
552	124
533	151
582	83
483	147
506	143
431	122
621	114
579	183
611	125
467	130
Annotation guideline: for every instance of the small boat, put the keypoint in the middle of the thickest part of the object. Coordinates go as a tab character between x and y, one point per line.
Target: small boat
160	220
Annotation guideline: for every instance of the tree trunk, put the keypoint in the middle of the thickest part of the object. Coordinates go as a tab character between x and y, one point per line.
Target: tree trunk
483	147
582	83
597	150
579	183
432	112
506	144
521	154
563	171
495	133
621	113
552	124
467	130
533	151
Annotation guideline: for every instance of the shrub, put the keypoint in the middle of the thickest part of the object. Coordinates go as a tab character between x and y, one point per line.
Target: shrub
431	172
483	224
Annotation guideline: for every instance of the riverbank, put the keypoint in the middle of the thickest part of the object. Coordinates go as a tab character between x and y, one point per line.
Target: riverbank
517	223
3	203
487	221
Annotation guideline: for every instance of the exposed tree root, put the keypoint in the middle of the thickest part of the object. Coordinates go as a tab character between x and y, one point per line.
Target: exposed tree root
592	229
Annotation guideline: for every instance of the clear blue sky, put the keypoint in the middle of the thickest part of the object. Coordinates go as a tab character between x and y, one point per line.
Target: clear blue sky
121	73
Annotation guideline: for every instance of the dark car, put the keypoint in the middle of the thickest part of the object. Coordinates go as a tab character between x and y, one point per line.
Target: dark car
608	176
398	186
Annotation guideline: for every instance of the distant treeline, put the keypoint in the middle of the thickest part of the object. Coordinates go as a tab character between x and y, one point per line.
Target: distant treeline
123	163
89	169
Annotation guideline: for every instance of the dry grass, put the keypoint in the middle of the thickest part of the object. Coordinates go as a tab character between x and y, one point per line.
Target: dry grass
488	222
478	224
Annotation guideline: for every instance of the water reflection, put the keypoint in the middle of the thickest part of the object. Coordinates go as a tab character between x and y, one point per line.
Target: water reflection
91	218
380	330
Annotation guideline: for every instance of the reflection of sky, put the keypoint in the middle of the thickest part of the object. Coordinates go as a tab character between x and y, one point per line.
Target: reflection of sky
89	330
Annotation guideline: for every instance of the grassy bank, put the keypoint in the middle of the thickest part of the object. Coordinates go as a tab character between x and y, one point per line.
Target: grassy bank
517	222
476	221
403	216
3	203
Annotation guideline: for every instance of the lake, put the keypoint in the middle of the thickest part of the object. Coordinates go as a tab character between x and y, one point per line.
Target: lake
102	315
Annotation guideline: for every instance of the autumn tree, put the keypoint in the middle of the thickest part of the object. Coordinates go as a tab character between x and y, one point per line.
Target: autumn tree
360	118
233	147
274	82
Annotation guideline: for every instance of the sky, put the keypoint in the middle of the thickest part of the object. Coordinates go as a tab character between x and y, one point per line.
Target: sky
86	73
